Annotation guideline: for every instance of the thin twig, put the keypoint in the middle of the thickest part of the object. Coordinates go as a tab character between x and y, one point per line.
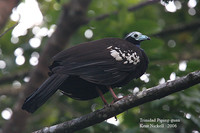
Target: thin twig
8	30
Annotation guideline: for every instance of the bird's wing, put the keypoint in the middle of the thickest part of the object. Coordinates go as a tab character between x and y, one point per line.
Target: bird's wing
95	62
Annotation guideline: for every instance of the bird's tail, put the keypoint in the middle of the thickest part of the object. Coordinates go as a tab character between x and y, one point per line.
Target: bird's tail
43	93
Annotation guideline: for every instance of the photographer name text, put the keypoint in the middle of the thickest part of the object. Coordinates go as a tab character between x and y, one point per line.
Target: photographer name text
158	123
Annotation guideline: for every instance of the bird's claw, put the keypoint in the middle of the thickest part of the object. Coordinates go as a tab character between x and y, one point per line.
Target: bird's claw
115	100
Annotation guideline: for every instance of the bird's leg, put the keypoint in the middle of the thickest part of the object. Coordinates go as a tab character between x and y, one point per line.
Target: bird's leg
113	95
102	97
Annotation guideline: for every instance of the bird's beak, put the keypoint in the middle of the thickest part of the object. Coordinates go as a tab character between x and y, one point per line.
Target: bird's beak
148	38
144	37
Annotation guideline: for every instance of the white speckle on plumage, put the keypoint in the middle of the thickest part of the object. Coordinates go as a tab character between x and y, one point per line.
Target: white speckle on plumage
136	59
109	47
130	61
116	55
134	63
125	62
120	52
118	58
131	58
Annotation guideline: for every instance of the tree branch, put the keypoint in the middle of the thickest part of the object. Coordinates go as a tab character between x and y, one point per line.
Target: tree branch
10	91
9	78
124	104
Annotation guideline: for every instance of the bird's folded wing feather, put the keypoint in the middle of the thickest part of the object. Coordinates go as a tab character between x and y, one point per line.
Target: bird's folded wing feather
92	62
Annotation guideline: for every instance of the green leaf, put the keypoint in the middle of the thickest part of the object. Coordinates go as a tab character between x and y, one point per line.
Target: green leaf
145	26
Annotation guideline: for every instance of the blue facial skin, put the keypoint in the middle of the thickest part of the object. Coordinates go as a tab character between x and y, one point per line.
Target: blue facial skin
136	37
144	37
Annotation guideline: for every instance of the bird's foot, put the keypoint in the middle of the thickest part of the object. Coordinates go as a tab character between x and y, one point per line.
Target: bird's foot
107	106
116	99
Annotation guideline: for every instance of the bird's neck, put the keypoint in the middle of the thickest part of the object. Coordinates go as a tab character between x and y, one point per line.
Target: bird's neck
138	45
133	41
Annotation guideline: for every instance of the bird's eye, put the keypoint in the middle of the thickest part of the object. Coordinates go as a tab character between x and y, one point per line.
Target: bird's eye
136	35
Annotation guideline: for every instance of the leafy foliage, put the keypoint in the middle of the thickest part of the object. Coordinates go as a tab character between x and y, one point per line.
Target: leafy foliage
165	54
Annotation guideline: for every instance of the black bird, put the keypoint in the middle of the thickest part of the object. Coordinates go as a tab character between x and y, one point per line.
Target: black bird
91	69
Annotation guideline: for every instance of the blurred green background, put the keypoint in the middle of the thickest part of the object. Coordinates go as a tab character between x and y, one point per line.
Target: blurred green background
172	55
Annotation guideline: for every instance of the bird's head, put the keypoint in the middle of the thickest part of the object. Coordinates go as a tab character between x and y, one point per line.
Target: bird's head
136	37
